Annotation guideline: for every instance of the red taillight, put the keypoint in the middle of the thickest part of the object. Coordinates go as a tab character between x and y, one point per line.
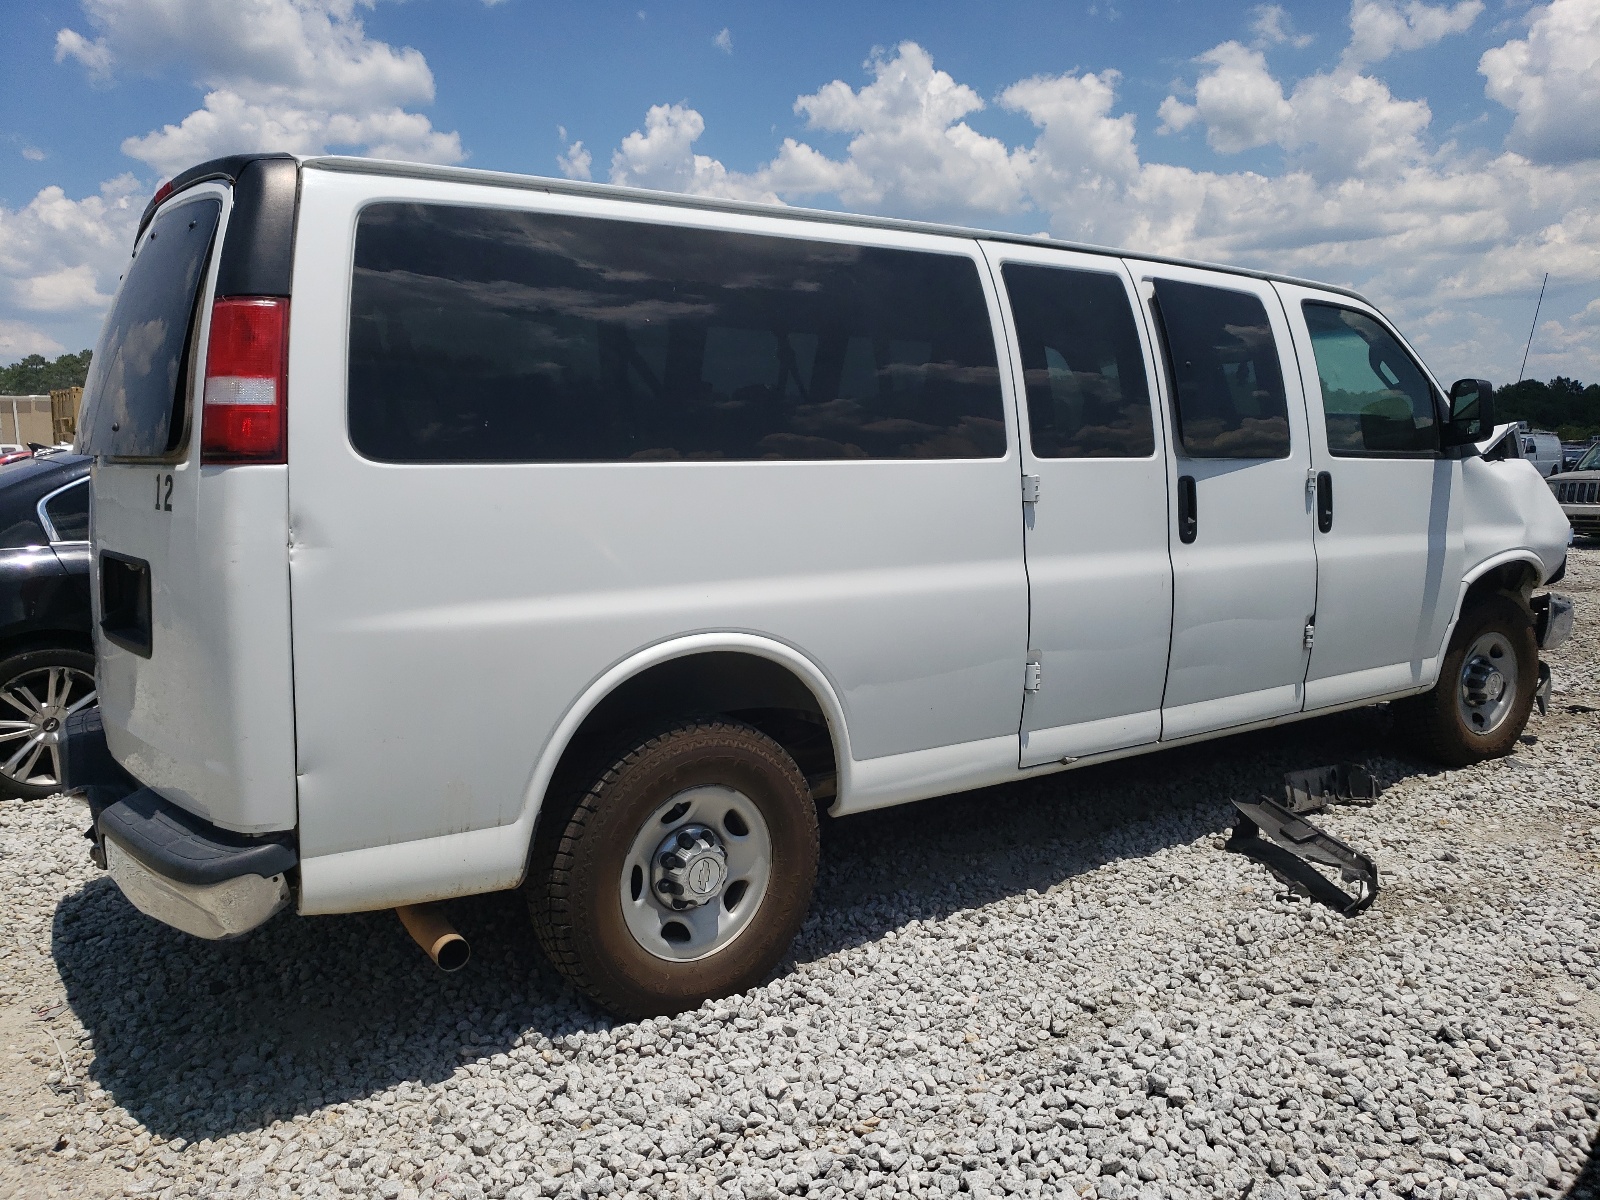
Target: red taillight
247	360
162	193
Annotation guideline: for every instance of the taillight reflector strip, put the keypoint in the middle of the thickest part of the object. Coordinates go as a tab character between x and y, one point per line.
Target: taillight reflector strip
247	360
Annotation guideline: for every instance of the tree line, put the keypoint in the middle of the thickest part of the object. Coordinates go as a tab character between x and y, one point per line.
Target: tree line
36	375
1564	405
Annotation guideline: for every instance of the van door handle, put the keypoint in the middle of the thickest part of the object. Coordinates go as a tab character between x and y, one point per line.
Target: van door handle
1188	515
1324	501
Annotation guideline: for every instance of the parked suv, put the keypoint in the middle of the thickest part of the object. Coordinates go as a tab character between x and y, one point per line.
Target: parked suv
458	531
46	651
1578	492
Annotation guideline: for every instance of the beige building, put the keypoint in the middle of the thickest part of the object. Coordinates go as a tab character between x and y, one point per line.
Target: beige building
25	419
47	419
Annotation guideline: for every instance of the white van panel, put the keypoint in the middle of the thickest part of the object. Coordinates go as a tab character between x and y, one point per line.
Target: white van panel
208	719
1245	588
447	615
1394	556
1099	573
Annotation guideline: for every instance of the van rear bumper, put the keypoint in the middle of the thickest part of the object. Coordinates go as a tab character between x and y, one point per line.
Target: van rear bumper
171	864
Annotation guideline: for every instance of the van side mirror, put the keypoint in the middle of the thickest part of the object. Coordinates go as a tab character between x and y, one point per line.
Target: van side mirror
1471	412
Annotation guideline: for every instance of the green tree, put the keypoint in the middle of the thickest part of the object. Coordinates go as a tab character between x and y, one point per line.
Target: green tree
35	375
1564	405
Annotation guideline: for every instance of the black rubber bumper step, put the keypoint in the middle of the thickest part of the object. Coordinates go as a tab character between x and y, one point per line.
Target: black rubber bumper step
186	849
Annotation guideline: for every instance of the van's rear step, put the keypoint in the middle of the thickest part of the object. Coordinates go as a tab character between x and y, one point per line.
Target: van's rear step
1288	845
171	864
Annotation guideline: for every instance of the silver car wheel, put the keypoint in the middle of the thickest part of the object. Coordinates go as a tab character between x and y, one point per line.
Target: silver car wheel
696	873
1488	687
30	742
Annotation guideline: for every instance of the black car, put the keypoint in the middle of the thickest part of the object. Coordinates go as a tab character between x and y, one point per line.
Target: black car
46	648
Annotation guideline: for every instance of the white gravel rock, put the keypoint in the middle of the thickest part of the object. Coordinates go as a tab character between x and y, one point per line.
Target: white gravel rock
1065	989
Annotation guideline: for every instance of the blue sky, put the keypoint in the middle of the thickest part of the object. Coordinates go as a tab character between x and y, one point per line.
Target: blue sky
1440	156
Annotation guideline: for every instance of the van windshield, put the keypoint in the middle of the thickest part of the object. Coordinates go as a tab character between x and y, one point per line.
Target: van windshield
133	398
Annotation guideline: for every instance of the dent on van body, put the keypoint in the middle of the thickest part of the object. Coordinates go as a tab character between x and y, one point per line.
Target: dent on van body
1508	509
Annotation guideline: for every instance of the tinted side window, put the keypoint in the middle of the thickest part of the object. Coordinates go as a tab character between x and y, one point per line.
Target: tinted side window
1087	392
487	335
1225	372
69	513
1375	399
134	395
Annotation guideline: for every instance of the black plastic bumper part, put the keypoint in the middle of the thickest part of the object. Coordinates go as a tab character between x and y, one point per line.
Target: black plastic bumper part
87	768
186	849
171	842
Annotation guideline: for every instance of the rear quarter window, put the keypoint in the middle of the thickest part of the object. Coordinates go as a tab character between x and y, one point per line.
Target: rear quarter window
489	335
135	395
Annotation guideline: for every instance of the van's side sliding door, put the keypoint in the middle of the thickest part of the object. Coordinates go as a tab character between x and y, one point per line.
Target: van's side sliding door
1099	575
1244	566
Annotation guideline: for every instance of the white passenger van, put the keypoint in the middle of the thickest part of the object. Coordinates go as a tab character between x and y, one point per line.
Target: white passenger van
458	531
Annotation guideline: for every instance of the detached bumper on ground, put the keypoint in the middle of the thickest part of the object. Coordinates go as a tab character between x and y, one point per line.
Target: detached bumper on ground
169	863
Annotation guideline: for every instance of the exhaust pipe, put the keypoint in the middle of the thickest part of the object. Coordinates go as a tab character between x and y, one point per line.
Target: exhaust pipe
428	927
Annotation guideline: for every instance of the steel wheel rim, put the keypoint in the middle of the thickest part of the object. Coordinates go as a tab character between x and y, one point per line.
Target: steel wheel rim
36	705
733	822
1487	690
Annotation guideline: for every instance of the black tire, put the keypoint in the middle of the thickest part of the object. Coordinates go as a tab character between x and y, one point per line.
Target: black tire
42	776
574	886
1434	724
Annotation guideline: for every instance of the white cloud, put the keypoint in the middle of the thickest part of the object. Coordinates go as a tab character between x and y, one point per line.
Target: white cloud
1378	28
1334	125
723	41
18	340
66	290
1568	347
61	255
297	75
575	162
33	154
910	150
1272	27
661	155
95	55
1238	100
1551	80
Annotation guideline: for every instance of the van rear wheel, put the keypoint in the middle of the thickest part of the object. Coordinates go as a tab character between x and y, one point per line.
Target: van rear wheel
1481	703
681	874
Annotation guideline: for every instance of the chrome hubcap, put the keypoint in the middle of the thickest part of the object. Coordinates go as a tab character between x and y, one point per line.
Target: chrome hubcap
1488	689
690	867
696	873
35	707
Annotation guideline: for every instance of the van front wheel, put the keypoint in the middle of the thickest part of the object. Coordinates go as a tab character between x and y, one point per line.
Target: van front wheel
1481	703
682	873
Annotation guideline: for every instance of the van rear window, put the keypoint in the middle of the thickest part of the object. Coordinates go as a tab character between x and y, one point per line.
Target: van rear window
138	378
489	335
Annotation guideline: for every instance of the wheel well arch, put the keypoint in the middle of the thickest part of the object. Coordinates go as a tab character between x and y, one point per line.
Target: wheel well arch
766	683
1515	573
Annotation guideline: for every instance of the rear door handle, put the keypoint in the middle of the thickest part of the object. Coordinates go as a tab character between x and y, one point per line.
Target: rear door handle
1188	514
1324	501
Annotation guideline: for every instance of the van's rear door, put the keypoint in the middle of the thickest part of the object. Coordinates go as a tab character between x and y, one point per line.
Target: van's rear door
190	561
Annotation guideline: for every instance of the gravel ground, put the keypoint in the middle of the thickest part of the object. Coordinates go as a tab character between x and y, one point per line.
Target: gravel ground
1064	989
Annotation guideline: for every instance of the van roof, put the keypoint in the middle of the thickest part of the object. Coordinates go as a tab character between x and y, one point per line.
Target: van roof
232	166
572	187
